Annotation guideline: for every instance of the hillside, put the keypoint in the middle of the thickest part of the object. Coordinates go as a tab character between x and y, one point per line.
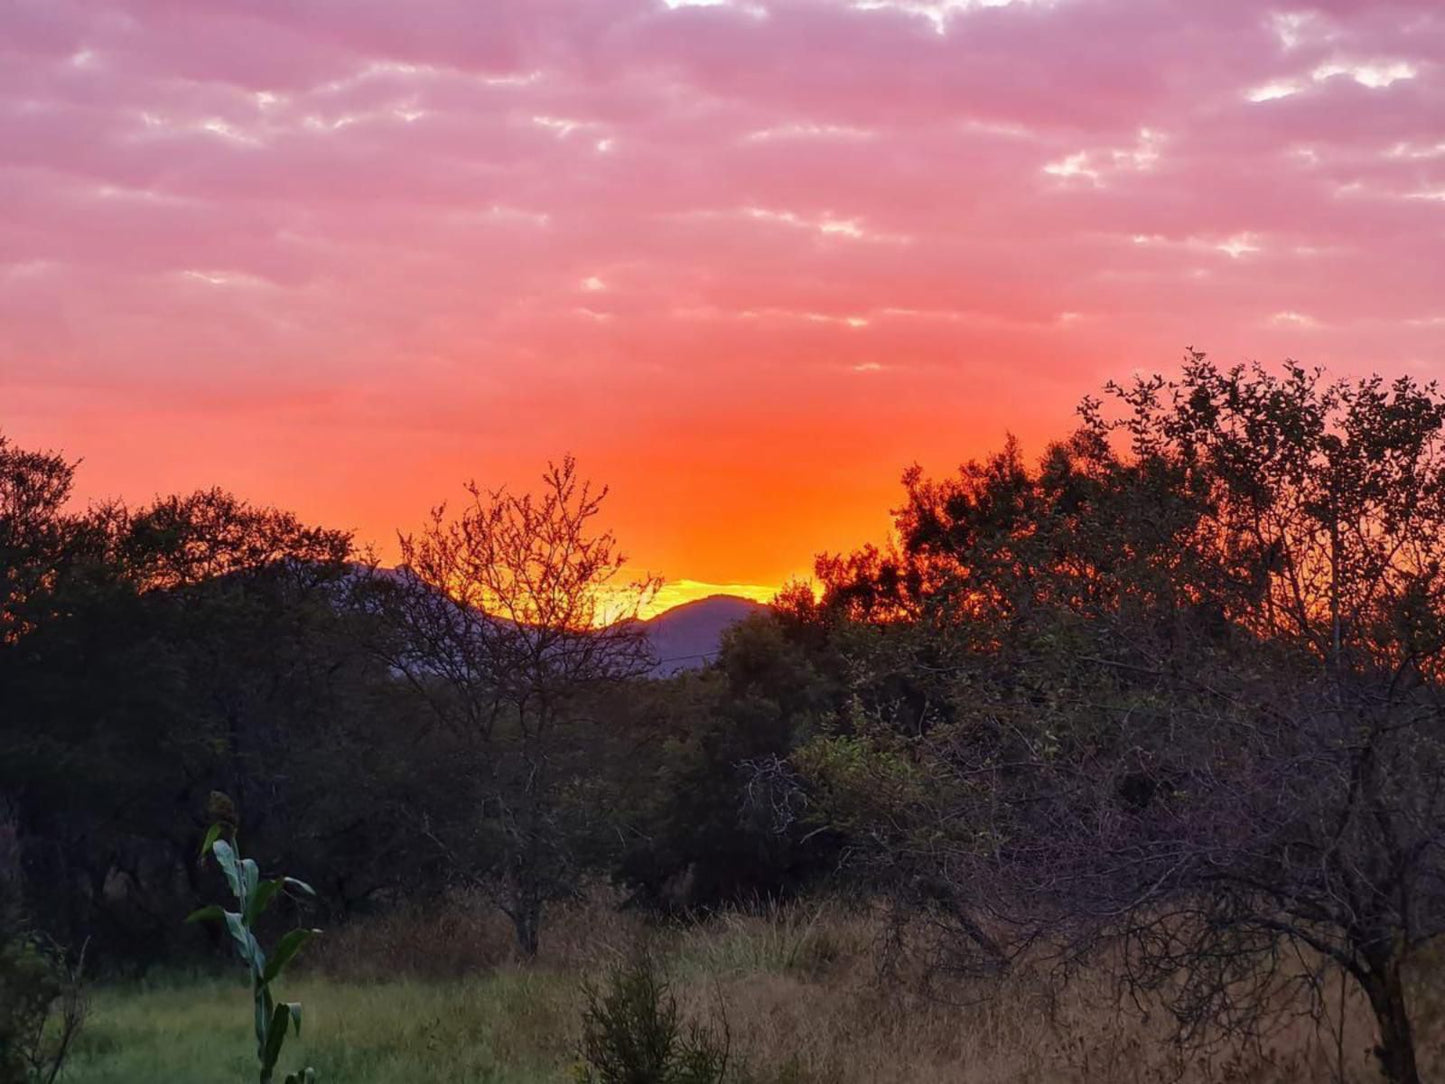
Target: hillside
687	636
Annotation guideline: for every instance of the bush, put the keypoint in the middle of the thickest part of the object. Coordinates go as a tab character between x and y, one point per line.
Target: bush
42	1002
631	1034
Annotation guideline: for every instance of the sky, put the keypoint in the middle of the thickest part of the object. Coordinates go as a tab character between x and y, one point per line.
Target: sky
746	260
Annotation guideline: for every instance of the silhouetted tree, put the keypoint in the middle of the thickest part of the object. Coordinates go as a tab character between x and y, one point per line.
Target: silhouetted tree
157	654
1190	675
714	813
507	619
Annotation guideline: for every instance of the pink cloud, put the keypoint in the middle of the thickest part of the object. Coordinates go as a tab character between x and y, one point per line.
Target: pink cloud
423	241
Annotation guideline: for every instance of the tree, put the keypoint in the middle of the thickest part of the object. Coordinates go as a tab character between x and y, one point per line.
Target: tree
715	814
42	545
1191	674
159	653
506	619
1316	814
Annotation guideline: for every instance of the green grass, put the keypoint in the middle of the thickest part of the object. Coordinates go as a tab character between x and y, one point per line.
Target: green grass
507	1026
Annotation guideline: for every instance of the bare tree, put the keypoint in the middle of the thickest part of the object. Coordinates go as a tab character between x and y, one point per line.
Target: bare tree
508	617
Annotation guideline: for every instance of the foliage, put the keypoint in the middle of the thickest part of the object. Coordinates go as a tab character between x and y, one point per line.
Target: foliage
1182	689
507	621
632	1034
194	644
42	999
253	897
713	809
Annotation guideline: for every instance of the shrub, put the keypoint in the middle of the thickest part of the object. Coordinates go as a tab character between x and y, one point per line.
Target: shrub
42	999
632	1034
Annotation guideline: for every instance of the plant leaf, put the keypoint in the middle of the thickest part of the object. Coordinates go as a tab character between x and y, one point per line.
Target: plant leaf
226	856
275	1037
250	877
213	833
286	948
300	886
260	900
247	947
210	913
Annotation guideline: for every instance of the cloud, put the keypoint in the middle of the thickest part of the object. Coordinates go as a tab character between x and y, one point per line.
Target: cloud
482	233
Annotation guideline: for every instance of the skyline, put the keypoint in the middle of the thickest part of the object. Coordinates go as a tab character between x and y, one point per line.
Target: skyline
747	261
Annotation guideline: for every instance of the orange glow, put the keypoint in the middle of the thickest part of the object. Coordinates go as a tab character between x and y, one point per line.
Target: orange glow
676	592
341	261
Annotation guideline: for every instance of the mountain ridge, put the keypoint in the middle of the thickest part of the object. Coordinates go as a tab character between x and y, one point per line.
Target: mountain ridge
687	636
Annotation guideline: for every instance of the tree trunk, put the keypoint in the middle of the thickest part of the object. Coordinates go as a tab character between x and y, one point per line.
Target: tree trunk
527	921
1396	1050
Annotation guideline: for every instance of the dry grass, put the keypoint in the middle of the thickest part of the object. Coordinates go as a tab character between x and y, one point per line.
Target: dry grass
464	935
436	994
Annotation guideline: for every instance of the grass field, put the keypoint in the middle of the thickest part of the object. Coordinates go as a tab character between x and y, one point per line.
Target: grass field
502	1027
799	991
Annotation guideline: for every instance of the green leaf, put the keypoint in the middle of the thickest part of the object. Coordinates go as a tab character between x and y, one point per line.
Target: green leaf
275	1037
226	856
247	947
209	913
286	948
213	833
250	877
260	900
300	886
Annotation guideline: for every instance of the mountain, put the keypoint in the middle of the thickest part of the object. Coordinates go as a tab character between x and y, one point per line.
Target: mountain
688	636
685	637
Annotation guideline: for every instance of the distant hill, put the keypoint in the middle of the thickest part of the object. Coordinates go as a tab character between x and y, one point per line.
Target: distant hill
687	636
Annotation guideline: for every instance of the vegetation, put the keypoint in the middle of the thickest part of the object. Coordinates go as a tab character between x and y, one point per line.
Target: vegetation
1203	644
42	1000
505	621
253	898
631	1034
1155	722
825	1018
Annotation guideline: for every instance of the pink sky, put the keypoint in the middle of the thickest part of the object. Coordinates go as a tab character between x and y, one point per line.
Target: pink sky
747	260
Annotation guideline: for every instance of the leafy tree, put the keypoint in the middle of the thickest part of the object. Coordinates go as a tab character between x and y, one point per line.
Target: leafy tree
42	545
198	643
715	812
1191	674
1317	817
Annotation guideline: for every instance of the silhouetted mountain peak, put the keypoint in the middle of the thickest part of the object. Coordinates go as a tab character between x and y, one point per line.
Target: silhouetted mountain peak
688	636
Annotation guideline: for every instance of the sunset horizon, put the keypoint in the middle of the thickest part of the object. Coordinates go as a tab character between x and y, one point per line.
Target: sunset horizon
342	259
